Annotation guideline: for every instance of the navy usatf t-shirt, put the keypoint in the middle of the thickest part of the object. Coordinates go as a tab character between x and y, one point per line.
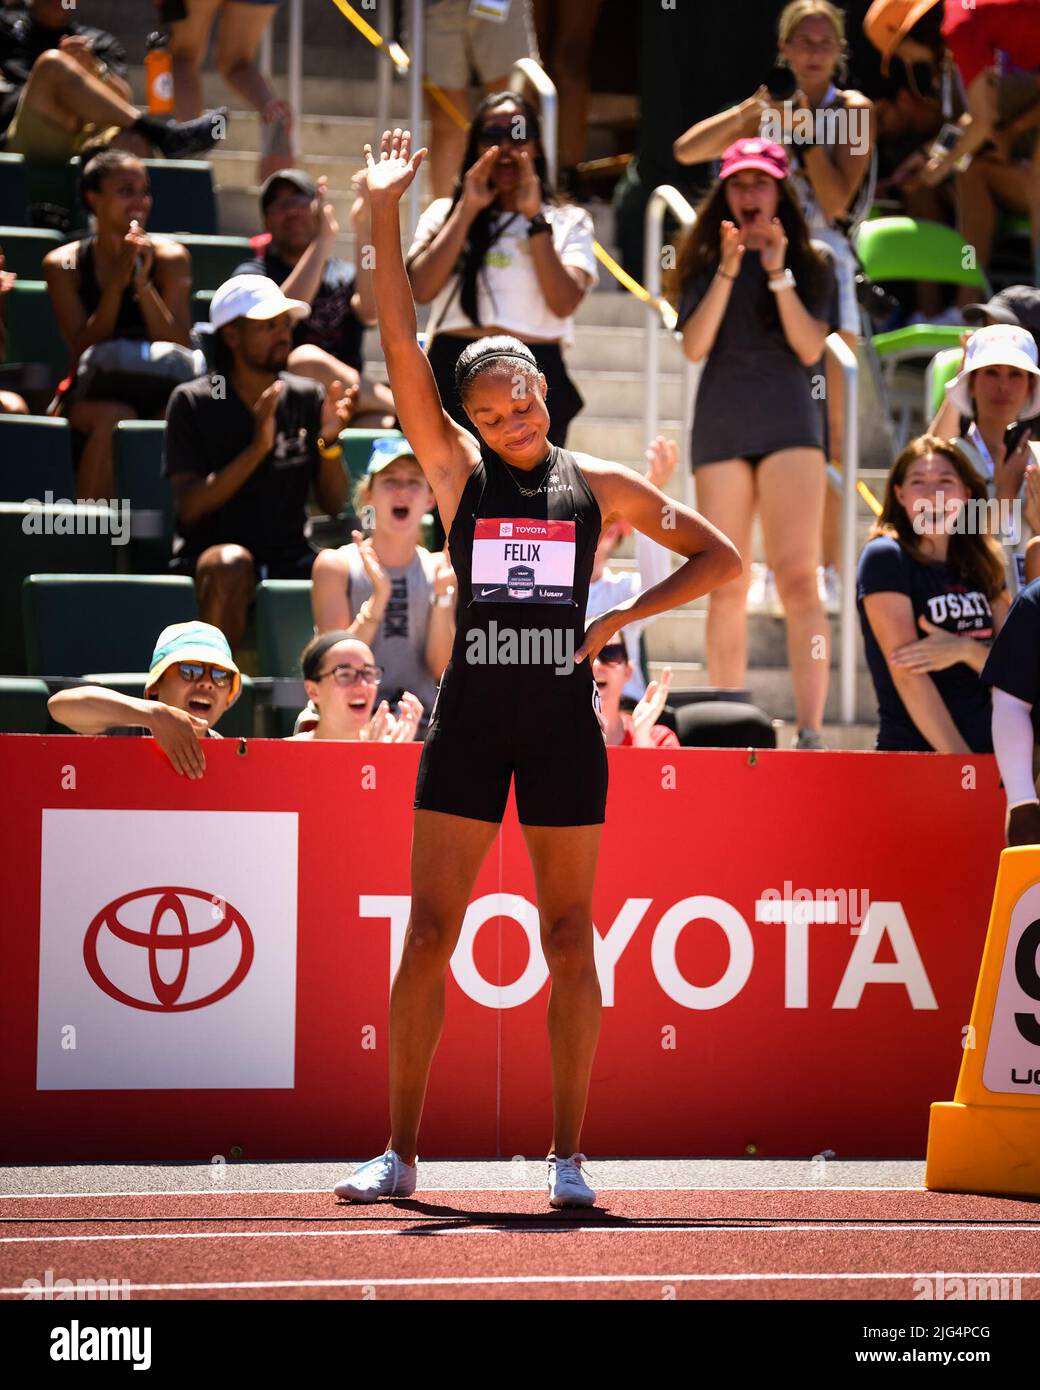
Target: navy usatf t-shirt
938	593
1014	661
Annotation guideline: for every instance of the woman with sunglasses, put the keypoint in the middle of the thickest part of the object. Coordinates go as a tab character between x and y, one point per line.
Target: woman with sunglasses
341	680
193	679
523	517
503	255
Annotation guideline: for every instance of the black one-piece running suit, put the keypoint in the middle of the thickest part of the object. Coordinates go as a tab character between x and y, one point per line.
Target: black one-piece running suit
511	701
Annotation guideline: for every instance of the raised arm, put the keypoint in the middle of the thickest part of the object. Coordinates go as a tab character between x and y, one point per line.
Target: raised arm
707	139
446	453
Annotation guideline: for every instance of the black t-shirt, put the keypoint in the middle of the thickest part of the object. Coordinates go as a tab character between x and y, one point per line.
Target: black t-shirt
332	323
207	426
938	593
1014	660
22	41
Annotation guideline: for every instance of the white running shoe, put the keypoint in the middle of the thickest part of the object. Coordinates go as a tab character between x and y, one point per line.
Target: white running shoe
385	1176
829	584
567	1187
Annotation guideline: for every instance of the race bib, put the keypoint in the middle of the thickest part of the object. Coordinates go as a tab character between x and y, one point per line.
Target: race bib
518	560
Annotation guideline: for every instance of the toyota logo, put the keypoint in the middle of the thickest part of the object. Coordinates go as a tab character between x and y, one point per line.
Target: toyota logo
167	946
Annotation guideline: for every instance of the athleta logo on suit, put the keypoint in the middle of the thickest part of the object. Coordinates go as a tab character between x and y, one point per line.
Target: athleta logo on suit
523	561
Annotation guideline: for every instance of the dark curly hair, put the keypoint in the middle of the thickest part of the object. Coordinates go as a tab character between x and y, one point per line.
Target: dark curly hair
500	352
480	237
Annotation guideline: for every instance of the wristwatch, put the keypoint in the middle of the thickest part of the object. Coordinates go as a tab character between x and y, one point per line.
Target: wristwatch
443	600
538	224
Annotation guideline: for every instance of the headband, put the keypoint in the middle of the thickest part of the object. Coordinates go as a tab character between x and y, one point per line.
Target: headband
510	353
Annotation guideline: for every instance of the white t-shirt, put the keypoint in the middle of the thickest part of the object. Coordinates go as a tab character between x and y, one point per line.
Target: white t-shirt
508	292
614	586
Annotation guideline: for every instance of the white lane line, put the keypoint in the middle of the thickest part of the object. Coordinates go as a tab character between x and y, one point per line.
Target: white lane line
853	1228
433	1191
469	1282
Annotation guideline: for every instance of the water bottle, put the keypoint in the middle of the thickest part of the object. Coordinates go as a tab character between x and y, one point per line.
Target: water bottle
158	69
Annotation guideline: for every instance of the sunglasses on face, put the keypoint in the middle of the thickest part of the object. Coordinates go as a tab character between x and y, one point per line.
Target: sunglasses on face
194	671
502	135
614	655
350	675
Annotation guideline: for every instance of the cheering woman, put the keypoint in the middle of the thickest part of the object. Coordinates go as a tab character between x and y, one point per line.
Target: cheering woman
523	519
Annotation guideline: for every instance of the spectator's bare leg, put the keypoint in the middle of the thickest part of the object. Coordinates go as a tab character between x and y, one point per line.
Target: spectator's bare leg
95	478
564	862
576	22
225	582
59	89
238	39
447	141
447	852
987	186
836	425
790	497
12	404
189	40
1033	193
726	496
375	404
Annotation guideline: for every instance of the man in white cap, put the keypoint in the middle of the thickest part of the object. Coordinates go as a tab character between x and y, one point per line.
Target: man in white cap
192	680
243	446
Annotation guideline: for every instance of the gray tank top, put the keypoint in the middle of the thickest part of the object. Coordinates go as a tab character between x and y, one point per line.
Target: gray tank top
400	644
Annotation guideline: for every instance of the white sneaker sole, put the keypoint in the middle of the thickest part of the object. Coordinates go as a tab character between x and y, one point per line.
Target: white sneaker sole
560	1202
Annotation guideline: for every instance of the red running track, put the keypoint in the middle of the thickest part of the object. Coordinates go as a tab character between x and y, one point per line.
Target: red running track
675	1243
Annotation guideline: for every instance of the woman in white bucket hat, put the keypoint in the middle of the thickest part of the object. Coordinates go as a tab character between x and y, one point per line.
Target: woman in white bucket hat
999	386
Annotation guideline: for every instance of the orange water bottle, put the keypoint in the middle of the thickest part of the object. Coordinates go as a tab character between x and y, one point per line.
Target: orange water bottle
158	71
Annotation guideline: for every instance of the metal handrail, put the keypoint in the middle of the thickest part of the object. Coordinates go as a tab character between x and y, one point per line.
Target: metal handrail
294	60
417	35
668	198
526	69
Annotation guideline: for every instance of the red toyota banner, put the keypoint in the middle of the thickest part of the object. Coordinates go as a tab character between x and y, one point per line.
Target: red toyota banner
787	944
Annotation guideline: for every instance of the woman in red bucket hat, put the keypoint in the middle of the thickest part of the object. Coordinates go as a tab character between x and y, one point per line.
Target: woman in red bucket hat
757	300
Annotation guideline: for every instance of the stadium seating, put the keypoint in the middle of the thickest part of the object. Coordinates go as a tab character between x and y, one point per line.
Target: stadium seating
137	449
32	329
25	247
214	258
236	723
35	458
284	626
943	367
182	196
903	248
14	194
76	622
44	540
23	705
357	445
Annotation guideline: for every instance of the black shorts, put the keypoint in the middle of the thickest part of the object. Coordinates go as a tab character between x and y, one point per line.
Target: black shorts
553	749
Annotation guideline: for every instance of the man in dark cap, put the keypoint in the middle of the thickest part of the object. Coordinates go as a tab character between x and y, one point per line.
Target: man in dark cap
1018	305
299	258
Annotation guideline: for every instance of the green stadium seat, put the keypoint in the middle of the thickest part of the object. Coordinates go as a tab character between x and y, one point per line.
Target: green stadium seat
32	329
14	195
35	458
89	622
42	540
357	445
23	705
182	196
943	367
137	448
238	722
284	626
25	247
214	258
905	248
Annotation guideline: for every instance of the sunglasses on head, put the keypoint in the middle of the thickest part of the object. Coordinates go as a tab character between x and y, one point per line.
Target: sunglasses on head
614	654
194	671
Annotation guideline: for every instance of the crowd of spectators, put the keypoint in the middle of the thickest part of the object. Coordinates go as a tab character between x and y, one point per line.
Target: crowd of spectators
254	407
